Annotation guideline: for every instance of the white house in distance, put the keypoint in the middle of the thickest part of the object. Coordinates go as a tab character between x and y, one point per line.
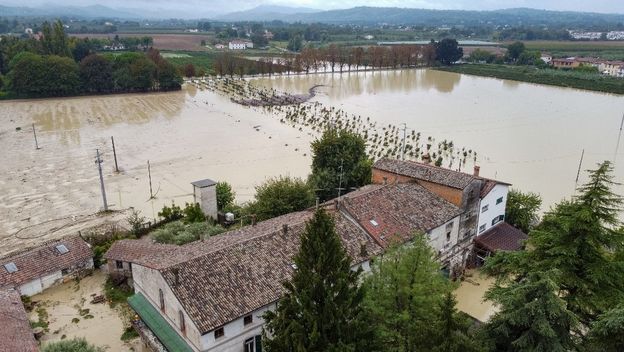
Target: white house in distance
240	45
34	270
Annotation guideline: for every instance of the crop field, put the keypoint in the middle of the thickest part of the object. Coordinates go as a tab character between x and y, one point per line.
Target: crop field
186	42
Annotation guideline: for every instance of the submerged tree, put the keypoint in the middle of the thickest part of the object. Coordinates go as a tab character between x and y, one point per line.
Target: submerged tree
321	309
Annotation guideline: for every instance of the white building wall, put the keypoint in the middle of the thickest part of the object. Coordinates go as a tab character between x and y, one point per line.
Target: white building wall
148	281
235	333
237	46
31	288
437	236
207	199
493	209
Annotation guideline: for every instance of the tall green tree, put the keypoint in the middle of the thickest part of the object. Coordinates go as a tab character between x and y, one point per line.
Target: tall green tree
514	50
225	195
522	209
96	74
532	316
281	195
607	332
448	51
339	160
452	330
406	297
582	239
321	308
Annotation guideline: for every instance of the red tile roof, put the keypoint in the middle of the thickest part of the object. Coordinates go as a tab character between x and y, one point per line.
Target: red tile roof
398	209
43	260
502	237
134	250
16	334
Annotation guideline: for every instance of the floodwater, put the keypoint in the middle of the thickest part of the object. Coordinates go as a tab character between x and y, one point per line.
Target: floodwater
186	136
529	135
470	296
101	326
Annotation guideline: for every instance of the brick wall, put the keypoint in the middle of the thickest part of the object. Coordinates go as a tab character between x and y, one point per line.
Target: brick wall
450	194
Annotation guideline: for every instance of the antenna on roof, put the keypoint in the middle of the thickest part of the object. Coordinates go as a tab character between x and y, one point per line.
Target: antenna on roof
340	179
404	136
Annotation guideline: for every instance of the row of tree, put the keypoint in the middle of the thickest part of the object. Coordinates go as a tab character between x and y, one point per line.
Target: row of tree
564	293
336	58
56	65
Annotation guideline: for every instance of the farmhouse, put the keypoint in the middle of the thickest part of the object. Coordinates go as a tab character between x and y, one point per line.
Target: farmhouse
482	201
34	270
211	295
16	334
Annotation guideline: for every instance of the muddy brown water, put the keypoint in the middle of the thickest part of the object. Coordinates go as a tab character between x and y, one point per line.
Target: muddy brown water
529	135
526	134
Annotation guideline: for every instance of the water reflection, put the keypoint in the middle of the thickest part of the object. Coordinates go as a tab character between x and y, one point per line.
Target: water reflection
369	82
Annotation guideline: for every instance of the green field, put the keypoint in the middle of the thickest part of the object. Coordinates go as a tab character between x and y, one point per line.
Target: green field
201	60
610	50
551	77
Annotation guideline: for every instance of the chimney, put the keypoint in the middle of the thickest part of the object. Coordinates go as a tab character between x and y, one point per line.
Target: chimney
426	158
476	170
176	276
285	229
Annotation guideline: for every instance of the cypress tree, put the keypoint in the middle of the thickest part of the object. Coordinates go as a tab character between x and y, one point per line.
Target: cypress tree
321	308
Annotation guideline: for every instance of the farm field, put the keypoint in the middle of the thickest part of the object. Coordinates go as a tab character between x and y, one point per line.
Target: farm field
185	42
611	50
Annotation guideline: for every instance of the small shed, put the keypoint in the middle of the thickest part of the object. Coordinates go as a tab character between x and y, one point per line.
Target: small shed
205	193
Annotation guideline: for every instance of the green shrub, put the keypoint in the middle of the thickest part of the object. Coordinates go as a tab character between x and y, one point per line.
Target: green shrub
73	345
172	213
193	213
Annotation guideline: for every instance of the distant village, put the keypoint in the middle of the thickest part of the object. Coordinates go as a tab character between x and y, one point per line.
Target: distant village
210	295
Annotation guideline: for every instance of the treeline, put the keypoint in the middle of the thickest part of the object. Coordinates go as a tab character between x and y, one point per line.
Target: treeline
56	65
336	58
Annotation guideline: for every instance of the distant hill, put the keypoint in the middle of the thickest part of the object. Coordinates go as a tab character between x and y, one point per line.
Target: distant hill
266	13
410	16
93	11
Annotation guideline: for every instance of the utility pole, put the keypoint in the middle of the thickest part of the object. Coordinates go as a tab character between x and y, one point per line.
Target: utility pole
149	174
99	161
404	137
115	154
35	134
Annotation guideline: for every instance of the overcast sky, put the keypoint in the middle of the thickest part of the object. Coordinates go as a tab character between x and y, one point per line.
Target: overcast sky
221	6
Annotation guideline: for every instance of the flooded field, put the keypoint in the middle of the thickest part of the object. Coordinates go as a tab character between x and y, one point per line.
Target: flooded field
186	136
525	134
529	135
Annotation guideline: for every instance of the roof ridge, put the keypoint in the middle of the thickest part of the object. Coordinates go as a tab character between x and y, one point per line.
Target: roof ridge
40	246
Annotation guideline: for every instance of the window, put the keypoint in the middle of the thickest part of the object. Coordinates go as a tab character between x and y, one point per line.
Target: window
481	228
64	272
182	325
253	344
485	208
374	223
10	267
499	200
248	319
119	264
448	236
161	299
219	333
498	219
62	249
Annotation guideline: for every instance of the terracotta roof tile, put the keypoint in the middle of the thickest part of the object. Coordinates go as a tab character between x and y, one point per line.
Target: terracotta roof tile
134	250
43	260
502	237
16	334
243	270
426	172
398	209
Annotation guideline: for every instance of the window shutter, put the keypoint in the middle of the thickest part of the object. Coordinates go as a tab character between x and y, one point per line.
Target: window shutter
258	343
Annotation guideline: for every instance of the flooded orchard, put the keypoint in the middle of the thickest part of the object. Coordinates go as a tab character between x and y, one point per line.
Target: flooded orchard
525	134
